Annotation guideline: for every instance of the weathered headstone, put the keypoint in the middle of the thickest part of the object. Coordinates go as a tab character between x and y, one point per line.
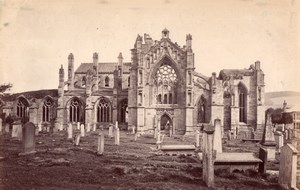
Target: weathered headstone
15	129
135	136
0	126
268	140
40	126
197	138
78	126
77	140
100	148
82	132
94	127
278	139
70	131
209	155
117	136
288	167
217	144
133	129
110	131
88	128
6	128
117	125
28	140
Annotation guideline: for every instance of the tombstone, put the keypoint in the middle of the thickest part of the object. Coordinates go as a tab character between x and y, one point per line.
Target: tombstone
16	129
100	148
209	155
7	128
158	139
229	135
218	136
279	140
135	136
197	138
40	126
133	129
78	126
0	126
77	140
28	139
110	131
117	125
268	140
288	167
155	132
88	128
82	132
94	127
70	131
117	136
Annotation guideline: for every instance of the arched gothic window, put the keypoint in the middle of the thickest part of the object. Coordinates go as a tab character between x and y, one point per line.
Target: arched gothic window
124	111
76	111
22	108
47	110
166	83
201	110
106	81
103	111
242	103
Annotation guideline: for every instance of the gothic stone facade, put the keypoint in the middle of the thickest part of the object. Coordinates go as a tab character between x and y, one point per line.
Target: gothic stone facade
159	88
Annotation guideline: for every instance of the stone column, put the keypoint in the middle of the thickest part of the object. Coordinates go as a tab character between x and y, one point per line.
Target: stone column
100	148
208	157
117	136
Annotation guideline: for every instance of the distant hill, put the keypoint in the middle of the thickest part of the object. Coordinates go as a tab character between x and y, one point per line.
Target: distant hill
276	99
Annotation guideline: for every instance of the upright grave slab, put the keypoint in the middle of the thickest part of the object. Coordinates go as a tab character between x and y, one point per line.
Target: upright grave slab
82	131
28	140
117	136
70	131
100	148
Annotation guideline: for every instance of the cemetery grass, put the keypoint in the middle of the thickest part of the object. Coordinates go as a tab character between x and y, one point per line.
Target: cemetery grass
58	164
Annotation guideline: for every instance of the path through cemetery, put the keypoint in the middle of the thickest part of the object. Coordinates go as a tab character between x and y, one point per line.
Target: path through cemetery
58	164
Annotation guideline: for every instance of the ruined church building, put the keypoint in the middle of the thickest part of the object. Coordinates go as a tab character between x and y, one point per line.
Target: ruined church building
158	88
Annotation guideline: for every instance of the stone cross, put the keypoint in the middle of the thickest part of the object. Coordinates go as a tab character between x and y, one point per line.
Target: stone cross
77	140
208	157
197	138
88	128
94	127
117	136
100	148
28	140
70	131
218	136
110	131
82	132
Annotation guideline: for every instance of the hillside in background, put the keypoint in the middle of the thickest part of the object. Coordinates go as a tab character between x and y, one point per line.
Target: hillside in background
276	99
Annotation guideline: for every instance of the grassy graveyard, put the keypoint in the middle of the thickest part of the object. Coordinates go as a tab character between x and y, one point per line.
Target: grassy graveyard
58	164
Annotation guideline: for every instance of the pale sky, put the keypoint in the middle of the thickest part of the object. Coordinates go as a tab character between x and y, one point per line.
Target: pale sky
36	36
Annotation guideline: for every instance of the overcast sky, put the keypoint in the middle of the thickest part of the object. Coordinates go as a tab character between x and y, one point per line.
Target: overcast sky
36	36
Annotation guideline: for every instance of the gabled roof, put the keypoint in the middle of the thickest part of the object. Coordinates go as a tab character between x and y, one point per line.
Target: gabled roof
103	67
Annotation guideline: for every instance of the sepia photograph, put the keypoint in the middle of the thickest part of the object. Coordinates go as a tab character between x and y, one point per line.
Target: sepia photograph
149	94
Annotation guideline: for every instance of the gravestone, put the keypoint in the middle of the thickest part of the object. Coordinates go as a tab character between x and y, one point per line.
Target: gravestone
94	127
100	148
88	128
17	127
28	140
82	132
133	129
218	136
117	125
135	136
0	126
40	126
6	128
77	140
78	126
268	140
197	136
117	136
110	131
279	140
70	131
288	167
155	132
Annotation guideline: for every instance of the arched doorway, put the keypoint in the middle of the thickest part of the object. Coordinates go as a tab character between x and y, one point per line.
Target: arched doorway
165	123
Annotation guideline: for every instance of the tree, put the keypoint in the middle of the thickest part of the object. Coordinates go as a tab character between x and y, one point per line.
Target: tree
276	115
4	88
